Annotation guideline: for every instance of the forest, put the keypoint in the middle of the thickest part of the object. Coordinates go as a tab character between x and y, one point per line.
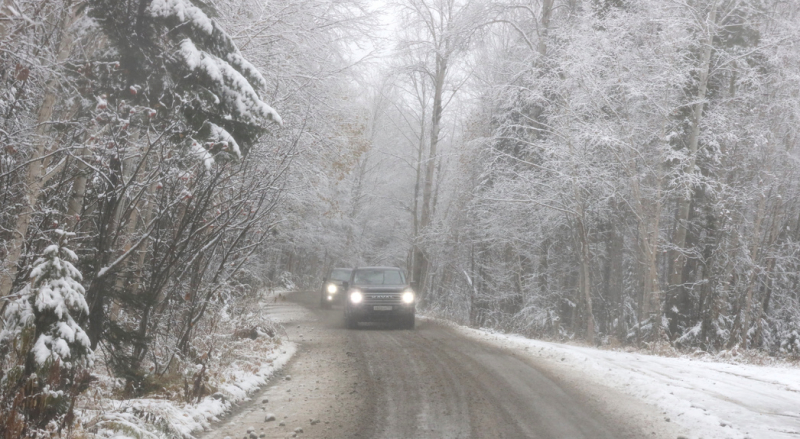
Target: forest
615	172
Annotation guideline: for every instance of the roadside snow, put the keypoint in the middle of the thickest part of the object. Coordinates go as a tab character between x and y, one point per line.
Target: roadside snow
183	418
711	400
243	366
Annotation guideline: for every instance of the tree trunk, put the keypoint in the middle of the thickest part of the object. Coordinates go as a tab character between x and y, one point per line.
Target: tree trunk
648	241
648	214
418	258
34	178
747	308
584	257
614	281
679	240
421	263
585	279
547	12
76	195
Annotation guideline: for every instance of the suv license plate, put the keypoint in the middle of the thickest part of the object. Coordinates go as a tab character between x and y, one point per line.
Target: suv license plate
382	308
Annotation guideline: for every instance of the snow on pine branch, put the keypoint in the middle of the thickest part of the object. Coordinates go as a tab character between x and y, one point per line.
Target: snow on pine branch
186	12
236	59
220	135
235	91
217	135
203	154
228	74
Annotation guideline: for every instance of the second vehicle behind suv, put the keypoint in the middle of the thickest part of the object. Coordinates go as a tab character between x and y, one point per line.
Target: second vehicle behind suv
332	287
379	294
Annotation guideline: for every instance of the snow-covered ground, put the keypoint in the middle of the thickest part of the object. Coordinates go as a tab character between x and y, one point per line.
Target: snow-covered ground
248	365
147	417
709	399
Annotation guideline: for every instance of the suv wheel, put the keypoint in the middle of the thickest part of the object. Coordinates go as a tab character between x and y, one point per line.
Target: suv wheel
350	323
408	322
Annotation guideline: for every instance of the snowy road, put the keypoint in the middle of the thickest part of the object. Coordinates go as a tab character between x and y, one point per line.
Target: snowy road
712	400
433	382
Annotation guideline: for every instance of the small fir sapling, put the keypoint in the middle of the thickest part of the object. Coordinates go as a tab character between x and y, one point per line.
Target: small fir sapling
46	352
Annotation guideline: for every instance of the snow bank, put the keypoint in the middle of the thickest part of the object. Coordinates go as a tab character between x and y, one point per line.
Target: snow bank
156	418
241	366
710	399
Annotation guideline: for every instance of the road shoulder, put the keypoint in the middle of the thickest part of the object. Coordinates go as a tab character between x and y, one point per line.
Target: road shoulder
318	394
684	396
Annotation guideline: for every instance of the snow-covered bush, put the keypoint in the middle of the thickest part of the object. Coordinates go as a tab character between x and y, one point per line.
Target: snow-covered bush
286	281
790	341
45	349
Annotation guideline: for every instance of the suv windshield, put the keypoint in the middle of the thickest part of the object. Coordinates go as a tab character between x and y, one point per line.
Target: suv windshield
379	277
340	274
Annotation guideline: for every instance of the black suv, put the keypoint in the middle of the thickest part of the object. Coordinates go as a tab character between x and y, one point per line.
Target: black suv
379	294
332	287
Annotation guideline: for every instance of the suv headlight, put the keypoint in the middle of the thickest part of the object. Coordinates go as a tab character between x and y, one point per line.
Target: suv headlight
332	289
356	297
408	296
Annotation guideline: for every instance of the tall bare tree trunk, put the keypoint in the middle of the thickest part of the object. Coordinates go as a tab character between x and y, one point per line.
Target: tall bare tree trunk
763	303
418	258
648	243
584	256
130	223
148	211
649	215
746	310
585	281
647	208
35	172
547	13
78	192
679	240
421	263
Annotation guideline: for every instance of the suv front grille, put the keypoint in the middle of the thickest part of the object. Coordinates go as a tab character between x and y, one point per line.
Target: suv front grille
382	299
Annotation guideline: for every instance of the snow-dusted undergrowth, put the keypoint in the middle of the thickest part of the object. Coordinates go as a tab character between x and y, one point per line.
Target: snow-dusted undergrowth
238	368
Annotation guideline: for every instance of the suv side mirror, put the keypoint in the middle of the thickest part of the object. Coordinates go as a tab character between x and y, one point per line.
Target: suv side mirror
414	285
324	279
345	285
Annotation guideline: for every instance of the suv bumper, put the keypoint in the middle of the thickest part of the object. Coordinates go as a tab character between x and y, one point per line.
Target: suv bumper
368	313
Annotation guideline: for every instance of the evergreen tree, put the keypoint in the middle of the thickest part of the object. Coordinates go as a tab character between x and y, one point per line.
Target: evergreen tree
176	60
47	347
169	69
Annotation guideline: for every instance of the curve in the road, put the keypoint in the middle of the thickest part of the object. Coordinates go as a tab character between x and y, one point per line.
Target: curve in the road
431	382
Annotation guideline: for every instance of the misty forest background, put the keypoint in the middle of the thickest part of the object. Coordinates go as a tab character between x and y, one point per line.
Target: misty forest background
614	171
